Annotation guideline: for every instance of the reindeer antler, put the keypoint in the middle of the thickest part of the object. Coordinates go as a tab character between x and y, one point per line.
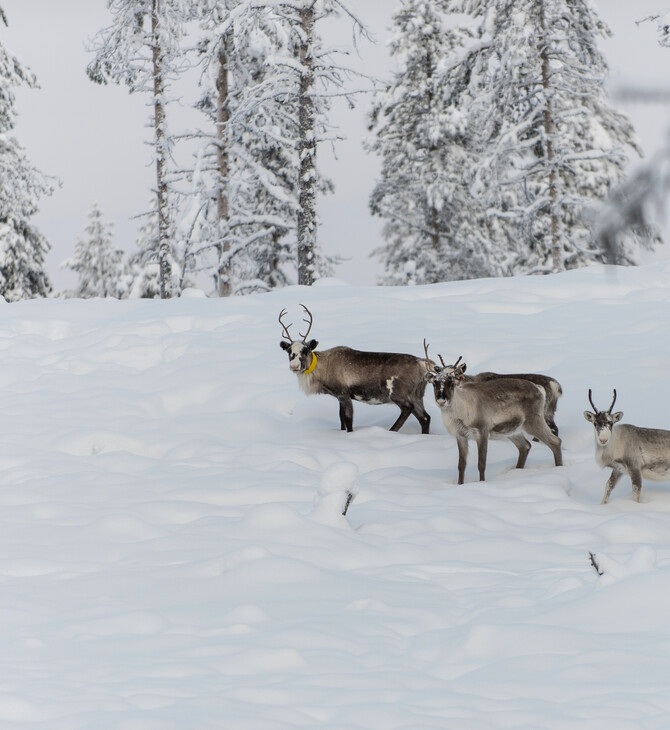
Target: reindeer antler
285	334
427	360
613	399
309	322
595	410
609	410
455	365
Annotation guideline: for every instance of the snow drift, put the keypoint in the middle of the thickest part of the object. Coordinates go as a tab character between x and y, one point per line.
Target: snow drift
172	548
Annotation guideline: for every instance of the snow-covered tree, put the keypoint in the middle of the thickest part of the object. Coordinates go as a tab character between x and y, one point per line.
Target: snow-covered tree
22	247
266	89
319	77
435	230
641	201
244	179
550	144
142	49
141	274
95	260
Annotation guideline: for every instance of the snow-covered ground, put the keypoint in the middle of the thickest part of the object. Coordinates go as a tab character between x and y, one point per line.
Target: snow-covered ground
172	553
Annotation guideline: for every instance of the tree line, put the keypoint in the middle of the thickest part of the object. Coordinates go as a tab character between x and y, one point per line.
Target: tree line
497	143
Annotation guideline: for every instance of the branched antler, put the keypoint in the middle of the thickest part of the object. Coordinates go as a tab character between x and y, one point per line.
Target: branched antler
285	333
309	322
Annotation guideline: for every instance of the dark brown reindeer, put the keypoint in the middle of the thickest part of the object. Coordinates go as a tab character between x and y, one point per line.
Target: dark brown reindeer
627	449
348	375
502	408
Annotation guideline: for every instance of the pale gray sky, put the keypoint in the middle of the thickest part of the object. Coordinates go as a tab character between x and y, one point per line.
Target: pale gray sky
93	138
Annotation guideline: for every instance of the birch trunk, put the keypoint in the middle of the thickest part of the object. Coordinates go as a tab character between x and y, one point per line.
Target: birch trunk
223	281
549	130
307	154
165	267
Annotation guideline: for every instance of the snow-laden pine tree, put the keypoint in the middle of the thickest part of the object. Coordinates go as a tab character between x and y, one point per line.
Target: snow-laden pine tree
141	275
550	144
278	80
95	260
245	176
434	229
22	247
638	203
142	49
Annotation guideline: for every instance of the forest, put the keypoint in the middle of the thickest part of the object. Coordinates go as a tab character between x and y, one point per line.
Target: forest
500	151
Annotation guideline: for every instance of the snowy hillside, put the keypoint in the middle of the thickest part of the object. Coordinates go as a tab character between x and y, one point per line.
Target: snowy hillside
172	553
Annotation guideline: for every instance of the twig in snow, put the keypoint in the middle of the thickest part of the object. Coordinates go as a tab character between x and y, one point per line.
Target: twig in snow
594	563
350	498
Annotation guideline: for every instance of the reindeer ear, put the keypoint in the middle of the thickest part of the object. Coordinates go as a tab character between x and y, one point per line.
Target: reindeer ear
312	345
617	416
464	367
284	345
591	417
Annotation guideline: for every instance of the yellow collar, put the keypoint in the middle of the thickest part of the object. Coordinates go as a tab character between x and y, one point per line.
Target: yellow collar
310	369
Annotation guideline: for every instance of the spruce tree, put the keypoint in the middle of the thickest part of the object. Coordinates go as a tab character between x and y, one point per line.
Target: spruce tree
550	145
22	247
96	262
435	230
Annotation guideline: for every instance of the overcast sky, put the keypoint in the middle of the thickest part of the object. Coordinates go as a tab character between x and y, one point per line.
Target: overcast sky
94	138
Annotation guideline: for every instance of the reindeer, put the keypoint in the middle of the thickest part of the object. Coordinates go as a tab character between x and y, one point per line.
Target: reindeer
502	408
627	449
346	374
552	388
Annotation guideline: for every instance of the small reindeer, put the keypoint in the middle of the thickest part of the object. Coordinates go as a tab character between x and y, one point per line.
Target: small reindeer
503	408
627	449
552	388
348	375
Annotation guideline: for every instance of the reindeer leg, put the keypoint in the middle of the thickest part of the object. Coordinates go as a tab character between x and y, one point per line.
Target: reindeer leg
482	451
405	410
636	478
462	457
542	431
346	414
522	443
611	483
422	417
552	425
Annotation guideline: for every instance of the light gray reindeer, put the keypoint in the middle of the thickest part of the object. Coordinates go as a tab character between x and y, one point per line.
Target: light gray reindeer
627	449
347	374
552	388
502	408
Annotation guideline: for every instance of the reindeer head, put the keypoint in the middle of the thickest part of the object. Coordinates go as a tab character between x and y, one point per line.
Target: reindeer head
603	421
445	378
300	352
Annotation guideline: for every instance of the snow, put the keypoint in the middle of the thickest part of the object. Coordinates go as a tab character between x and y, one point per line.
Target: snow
173	552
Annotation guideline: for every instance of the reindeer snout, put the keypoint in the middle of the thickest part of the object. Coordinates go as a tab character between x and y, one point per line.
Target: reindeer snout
441	402
294	365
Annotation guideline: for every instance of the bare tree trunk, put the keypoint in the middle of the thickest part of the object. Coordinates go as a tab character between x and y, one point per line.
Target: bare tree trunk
549	129
223	282
307	154
165	275
434	229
